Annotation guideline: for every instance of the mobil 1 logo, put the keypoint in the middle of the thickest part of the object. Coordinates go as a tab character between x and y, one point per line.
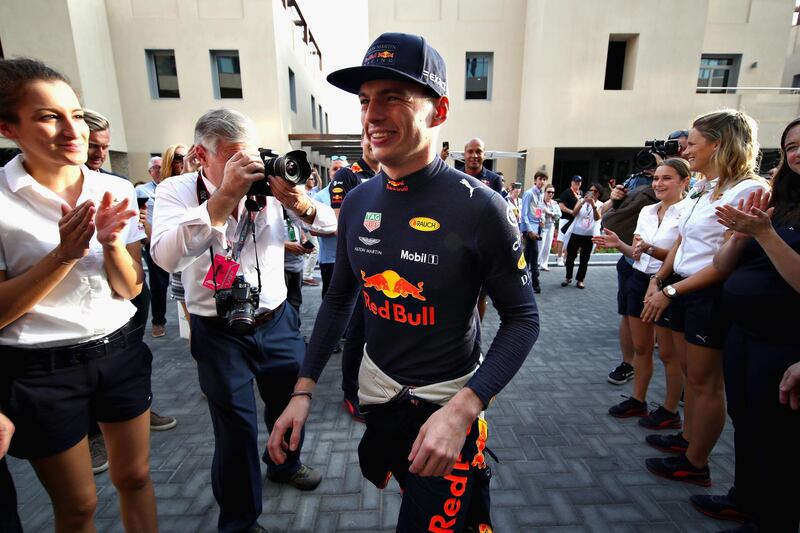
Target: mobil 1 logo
420	257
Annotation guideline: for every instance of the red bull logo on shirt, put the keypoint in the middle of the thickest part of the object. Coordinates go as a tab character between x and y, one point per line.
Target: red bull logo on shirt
394	286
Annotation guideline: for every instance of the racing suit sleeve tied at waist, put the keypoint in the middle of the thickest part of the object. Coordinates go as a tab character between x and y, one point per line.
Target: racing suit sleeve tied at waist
376	387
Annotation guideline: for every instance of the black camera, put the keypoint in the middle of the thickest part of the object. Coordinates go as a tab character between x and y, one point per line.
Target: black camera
293	167
645	159
238	306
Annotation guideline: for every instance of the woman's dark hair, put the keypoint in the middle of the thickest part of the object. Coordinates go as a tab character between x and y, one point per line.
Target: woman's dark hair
601	191
786	186
15	75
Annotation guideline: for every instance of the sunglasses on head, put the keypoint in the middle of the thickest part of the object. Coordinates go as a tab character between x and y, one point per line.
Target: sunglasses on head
338	158
550	192
178	157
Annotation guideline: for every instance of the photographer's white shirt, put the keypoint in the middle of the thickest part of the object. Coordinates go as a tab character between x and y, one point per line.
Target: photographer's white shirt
701	234
82	306
182	234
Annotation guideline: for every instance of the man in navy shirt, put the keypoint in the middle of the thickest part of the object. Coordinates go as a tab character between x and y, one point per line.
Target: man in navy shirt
474	156
419	263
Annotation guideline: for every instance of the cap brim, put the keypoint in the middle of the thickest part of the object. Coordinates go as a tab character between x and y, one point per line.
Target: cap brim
350	79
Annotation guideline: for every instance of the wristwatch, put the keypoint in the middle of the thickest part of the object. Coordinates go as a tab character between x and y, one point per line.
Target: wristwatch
670	292
308	212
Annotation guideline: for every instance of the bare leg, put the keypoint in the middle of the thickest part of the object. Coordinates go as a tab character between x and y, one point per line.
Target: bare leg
69	481
625	340
679	349
643	356
672	369
128	445
708	388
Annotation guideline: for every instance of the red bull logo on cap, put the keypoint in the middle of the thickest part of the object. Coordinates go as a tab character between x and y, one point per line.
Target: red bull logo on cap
394	286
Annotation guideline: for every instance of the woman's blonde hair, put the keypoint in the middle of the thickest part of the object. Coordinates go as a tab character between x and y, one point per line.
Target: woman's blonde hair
167	158
736	156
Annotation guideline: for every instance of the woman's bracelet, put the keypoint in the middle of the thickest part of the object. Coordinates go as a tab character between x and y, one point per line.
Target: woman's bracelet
302	393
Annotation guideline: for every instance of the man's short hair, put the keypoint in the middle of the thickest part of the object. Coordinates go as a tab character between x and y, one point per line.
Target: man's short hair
540	174
226	124
95	120
153	161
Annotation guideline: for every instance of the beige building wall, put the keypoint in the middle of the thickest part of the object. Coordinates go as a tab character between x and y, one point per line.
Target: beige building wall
792	62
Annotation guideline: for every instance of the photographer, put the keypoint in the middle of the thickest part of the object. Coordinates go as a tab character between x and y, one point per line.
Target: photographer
205	213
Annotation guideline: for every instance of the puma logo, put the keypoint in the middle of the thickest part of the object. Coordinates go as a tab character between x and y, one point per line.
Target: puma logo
466	184
702	339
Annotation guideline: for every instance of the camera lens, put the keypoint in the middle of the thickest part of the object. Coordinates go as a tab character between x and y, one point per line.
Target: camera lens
291	169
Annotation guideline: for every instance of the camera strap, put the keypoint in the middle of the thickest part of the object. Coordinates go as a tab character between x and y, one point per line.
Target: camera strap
246	225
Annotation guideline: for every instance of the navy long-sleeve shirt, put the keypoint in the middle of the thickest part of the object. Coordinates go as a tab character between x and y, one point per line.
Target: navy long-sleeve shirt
420	248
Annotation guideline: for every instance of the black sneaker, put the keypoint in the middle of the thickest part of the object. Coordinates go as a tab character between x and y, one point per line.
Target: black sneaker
721	507
621	375
661	419
351	405
679	469
674	443
628	408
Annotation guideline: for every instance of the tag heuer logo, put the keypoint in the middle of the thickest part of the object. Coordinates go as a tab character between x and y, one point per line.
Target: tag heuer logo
372	221
369	241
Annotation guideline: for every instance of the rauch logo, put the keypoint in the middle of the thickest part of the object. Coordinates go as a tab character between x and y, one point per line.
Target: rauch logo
424	224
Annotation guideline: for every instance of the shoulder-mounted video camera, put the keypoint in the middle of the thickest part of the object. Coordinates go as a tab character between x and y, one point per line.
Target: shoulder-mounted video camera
645	159
293	167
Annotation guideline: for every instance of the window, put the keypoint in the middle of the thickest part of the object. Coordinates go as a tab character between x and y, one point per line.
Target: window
327	124
292	91
321	117
479	76
226	74
163	74
717	73
313	112
620	62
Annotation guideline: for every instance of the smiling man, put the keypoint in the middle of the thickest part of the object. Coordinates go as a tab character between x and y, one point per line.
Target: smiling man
474	156
419	263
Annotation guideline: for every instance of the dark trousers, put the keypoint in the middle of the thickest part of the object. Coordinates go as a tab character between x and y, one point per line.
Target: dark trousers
326	273
159	285
353	349
226	367
457	502
766	432
584	244
532	258
294	288
9	519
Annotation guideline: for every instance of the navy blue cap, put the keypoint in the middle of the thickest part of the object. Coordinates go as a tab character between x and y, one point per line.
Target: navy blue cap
396	56
577	178
678	134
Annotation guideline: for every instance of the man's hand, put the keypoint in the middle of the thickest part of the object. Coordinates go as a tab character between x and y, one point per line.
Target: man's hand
619	193
241	170
533	236
293	197
111	219
294	248
76	228
292	419
442	436
444	154
190	161
6	431
790	387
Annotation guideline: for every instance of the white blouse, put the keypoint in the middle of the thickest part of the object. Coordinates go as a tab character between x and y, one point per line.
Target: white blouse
701	234
82	306
659	235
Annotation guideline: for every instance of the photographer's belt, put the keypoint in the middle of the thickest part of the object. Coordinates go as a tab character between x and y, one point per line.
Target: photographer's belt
376	387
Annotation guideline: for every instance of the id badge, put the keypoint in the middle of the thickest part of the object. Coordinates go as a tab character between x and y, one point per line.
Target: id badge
225	269
538	212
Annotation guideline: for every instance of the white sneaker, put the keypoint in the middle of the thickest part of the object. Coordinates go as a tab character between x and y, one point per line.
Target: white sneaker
544	268
560	261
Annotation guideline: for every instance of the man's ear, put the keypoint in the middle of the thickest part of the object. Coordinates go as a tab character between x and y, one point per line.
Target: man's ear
202	154
441	108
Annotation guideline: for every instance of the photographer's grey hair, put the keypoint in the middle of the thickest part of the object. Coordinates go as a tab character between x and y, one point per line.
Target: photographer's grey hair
95	120
226	124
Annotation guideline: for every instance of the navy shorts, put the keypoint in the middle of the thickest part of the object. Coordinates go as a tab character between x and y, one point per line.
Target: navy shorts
637	285
701	317
52	398
624	272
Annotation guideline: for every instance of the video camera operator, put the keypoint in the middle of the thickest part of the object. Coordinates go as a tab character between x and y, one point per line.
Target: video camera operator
231	211
620	216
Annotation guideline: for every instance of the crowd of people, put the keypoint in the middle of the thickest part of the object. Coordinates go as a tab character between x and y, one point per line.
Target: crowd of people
710	276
